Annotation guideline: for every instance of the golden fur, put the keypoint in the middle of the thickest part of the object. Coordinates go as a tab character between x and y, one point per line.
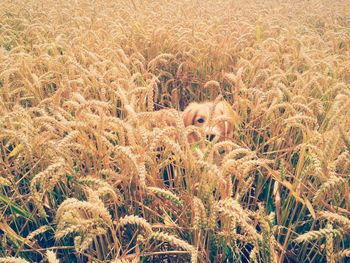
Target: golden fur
220	124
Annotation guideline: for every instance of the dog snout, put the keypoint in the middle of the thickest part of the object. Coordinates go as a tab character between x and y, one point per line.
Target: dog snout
210	137
210	133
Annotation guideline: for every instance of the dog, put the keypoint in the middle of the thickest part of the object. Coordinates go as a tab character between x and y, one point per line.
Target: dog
214	121
217	120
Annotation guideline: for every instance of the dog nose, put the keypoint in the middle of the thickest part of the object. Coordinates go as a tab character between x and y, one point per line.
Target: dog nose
210	137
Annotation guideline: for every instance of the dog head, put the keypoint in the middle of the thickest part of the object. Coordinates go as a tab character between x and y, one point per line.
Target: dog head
219	125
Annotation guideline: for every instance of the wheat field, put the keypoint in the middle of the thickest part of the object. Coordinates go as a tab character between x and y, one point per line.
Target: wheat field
91	172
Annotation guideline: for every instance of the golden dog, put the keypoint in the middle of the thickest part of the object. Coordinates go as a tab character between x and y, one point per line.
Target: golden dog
215	120
217	126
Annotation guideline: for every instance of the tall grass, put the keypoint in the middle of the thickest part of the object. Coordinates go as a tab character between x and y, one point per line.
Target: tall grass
91	172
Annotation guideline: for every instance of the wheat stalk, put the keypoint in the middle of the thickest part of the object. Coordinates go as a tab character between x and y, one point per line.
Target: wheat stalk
135	220
165	194
51	257
176	242
317	234
336	218
333	182
12	260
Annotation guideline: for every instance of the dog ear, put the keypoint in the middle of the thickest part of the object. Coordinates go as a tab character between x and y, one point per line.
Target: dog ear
223	108
189	114
228	129
226	109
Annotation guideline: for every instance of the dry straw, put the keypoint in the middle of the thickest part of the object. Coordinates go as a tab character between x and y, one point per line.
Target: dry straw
164	237
165	194
91	132
13	260
51	257
135	220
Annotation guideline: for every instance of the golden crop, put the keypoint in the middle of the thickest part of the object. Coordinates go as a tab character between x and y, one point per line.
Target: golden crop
91	172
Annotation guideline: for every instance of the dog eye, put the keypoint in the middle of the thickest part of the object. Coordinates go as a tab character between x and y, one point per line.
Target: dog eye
200	120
